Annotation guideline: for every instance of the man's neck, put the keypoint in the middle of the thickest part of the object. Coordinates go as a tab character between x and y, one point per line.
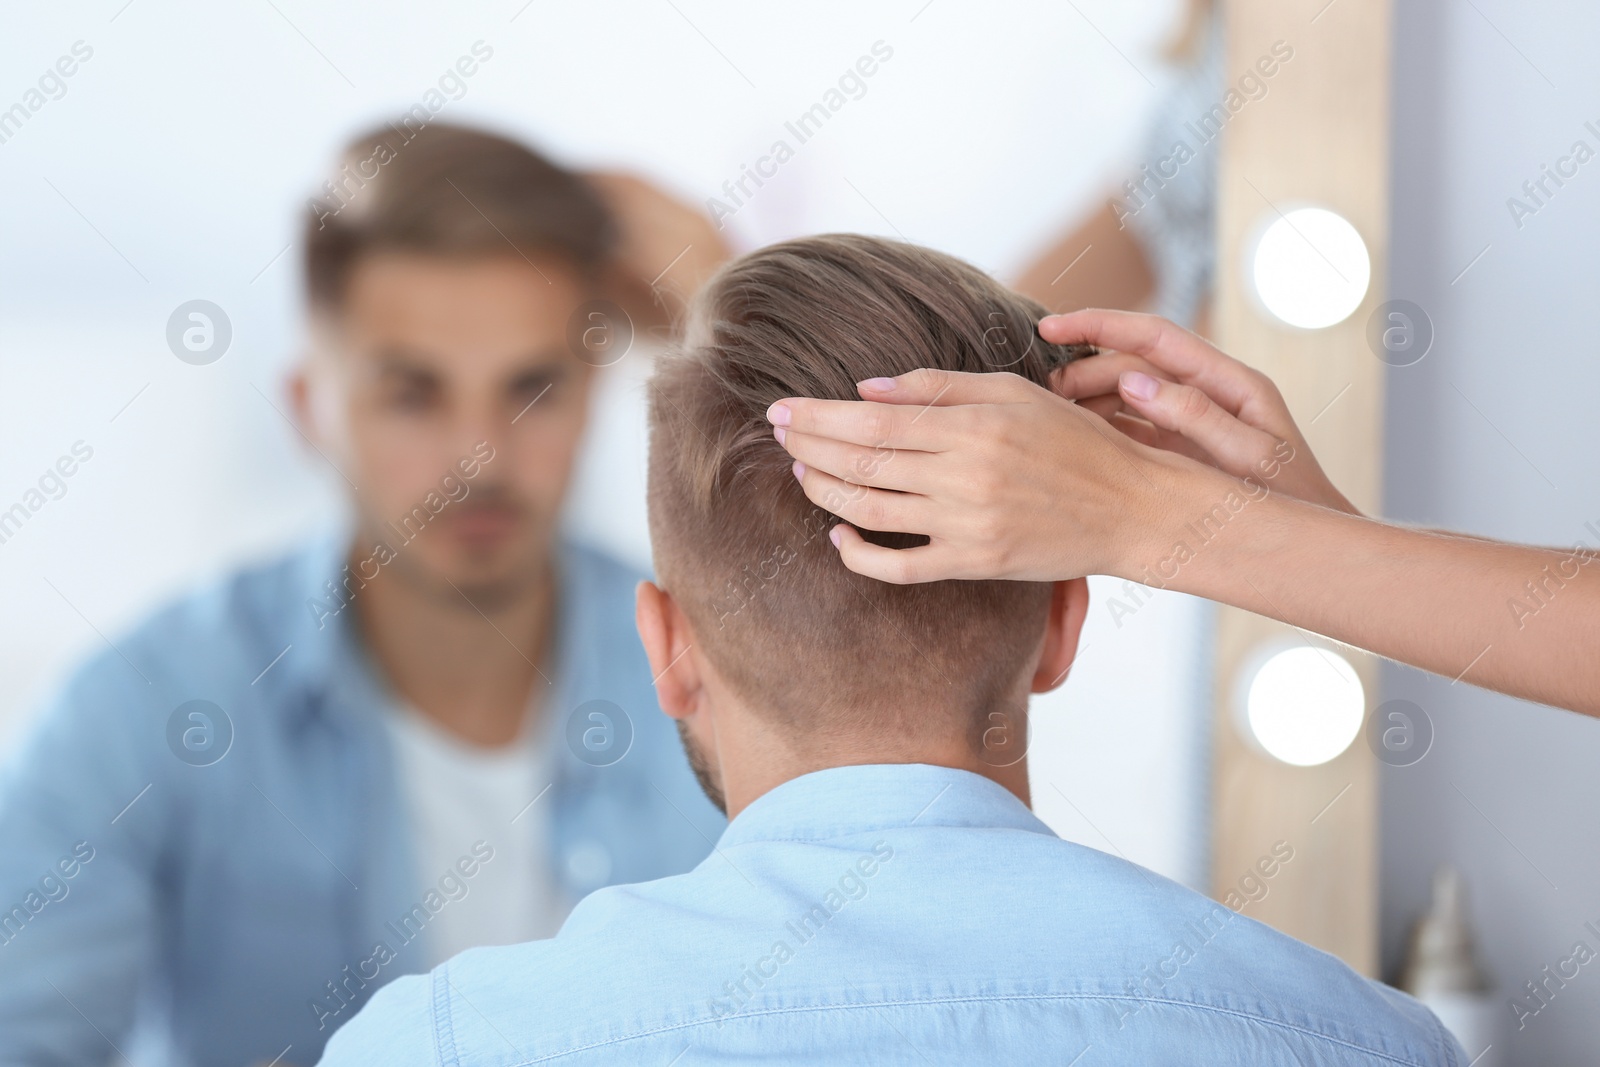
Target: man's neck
755	759
470	670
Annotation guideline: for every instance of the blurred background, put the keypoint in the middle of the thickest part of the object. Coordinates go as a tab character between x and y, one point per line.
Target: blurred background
175	163
178	163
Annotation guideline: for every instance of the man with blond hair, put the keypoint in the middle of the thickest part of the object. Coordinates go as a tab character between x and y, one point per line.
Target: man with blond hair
883	894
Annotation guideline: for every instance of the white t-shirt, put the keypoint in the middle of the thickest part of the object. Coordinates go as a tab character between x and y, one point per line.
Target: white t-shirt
468	802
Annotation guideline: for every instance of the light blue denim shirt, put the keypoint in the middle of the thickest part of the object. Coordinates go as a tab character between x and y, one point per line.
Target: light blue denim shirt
243	884
900	914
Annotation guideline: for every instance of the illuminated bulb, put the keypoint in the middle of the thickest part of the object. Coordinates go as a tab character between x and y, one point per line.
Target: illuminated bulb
1303	705
1310	268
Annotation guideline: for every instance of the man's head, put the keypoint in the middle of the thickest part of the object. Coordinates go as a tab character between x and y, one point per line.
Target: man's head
443	266
758	629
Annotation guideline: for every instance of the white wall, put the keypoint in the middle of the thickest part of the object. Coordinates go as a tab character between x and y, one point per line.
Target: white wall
174	164
1495	433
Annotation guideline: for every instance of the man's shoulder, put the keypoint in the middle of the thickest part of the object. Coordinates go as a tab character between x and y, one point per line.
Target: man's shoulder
267	592
1158	952
215	628
619	969
1162	952
183	679
590	568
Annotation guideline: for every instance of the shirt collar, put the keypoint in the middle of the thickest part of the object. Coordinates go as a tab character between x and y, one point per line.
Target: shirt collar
878	796
329	664
321	639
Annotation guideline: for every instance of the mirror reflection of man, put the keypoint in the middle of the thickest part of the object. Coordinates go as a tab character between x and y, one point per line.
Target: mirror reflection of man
429	729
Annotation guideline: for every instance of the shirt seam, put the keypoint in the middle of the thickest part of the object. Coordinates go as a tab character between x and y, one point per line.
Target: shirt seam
444	1029
1206	1008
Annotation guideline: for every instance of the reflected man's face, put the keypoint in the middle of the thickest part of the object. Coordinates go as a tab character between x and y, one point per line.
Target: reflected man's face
445	391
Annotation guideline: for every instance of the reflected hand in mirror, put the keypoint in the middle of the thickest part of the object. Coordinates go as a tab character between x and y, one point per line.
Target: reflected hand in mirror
665	249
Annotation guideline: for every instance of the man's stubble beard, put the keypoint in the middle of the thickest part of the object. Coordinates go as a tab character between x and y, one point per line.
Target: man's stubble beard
526	570
702	770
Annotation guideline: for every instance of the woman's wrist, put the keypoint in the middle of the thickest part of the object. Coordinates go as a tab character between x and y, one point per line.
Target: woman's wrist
1182	508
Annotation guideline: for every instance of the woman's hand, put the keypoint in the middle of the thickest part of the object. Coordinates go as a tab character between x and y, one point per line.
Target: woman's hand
1009	480
1005	478
1171	389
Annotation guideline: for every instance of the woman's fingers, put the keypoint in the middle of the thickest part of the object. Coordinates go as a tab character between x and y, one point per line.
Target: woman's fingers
945	388
1098	375
860	422
1176	353
884	468
1164	343
1138	429
901	566
1115	409
903	412
866	507
1189	412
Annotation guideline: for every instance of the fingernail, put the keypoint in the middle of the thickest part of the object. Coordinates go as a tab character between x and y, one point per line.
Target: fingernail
799	470
780	433
778	415
1139	385
877	385
833	535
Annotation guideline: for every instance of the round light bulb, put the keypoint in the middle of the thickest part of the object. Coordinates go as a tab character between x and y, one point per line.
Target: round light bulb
1303	705
1310	268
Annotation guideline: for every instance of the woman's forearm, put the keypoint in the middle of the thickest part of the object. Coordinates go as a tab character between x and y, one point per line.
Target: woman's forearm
1525	621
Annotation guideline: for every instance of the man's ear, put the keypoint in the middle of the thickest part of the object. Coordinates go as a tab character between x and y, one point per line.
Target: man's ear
667	639
300	406
1069	606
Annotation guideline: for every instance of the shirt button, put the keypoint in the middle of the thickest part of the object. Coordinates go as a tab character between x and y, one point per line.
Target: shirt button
588	863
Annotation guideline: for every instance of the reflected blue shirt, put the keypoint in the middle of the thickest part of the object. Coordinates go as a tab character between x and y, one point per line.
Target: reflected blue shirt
250	878
902	914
